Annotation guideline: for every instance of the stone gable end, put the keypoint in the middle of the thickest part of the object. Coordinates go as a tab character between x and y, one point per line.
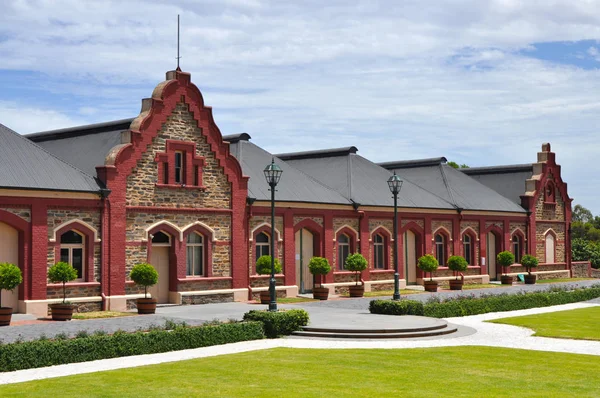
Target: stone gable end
142	189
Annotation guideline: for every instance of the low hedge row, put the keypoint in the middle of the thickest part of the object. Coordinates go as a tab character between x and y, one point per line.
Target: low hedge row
44	352
468	305
280	323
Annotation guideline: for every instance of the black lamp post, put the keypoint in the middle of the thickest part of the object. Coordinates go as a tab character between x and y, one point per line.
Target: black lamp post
395	184
272	174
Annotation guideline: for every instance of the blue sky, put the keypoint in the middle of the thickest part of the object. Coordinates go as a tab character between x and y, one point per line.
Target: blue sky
480	82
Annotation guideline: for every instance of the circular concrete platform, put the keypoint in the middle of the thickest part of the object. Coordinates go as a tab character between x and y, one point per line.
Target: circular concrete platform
372	326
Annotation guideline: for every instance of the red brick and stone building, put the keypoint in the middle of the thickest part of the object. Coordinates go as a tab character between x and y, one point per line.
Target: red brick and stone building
168	188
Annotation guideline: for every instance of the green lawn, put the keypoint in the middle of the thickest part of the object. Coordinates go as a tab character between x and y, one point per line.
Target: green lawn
484	286
573	324
102	314
559	280
429	372
293	300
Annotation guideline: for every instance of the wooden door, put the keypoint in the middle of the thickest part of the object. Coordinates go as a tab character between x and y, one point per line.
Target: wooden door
550	249
410	257
304	252
160	261
491	253
9	253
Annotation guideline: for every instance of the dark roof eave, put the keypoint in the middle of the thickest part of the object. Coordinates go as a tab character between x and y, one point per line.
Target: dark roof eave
233	138
122	124
97	192
512	168
321	153
405	164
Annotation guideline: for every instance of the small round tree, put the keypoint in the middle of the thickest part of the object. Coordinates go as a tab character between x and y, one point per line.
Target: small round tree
263	265
357	263
528	261
428	263
145	275
319	266
10	278
457	264
505	259
62	272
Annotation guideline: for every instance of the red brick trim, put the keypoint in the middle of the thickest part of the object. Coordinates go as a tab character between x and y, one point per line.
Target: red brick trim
89	246
387	252
352	234
24	245
159	209
208	243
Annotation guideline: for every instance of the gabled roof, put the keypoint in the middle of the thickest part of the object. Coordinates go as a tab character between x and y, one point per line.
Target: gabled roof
362	181
449	183
84	146
508	181
294	186
25	165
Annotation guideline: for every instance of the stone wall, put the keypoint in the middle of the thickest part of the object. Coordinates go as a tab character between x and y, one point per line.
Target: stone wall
559	229
406	221
141	183
22	212
207	299
318	220
580	269
197	285
73	291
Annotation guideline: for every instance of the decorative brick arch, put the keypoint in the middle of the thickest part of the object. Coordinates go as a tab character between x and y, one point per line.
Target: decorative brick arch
552	233
165	226
316	230
209	239
354	239
387	240
90	238
175	257
447	239
518	232
266	229
470	232
419	233
24	232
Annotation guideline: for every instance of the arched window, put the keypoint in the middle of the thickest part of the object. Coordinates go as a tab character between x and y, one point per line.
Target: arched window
440	249
72	251
549	193
263	245
161	238
378	251
517	248
195	254
468	248
343	250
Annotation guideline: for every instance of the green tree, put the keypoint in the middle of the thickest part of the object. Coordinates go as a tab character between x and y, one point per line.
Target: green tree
457	166
582	214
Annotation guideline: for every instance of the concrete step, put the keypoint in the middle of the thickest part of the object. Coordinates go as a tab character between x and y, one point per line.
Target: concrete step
374	331
376	334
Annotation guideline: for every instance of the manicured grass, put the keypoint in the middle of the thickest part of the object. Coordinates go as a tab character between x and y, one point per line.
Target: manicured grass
101	314
293	300
424	372
384	293
579	324
484	286
559	280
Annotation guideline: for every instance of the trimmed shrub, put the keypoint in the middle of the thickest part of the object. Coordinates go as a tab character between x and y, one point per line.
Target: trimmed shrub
145	275
62	272
505	259
41	353
279	323
356	262
396	307
457	264
528	261
470	305
319	266
263	265
10	277
428	263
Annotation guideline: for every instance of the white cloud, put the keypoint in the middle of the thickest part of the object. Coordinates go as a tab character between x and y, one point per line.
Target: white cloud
397	79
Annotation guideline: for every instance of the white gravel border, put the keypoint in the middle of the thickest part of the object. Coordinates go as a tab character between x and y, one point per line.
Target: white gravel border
488	334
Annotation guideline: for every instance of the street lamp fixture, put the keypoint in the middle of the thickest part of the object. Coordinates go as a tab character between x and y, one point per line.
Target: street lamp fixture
272	175
395	184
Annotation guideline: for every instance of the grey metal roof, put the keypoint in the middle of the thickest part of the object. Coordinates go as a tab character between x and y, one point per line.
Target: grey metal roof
508	181
294	186
412	163
25	165
364	182
459	189
85	147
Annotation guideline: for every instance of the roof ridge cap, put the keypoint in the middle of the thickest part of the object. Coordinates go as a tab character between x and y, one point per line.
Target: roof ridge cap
445	179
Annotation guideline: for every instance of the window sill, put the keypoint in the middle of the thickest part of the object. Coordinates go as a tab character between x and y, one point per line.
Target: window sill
180	186
473	267
73	284
381	271
344	272
204	278
265	276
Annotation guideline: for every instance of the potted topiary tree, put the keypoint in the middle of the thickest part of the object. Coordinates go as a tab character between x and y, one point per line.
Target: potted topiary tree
319	266
263	267
505	259
357	263
457	264
10	278
528	261
144	274
62	272
428	263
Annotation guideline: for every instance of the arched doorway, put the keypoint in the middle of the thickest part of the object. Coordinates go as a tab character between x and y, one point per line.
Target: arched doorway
492	249
304	252
9	253
160	259
410	257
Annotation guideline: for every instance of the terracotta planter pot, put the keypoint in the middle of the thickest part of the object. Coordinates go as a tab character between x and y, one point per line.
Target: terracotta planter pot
507	280
357	290
61	312
265	297
320	293
146	305
456	284
5	316
430	286
530	279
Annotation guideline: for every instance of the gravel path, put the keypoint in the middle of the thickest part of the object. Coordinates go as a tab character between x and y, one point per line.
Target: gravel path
488	334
